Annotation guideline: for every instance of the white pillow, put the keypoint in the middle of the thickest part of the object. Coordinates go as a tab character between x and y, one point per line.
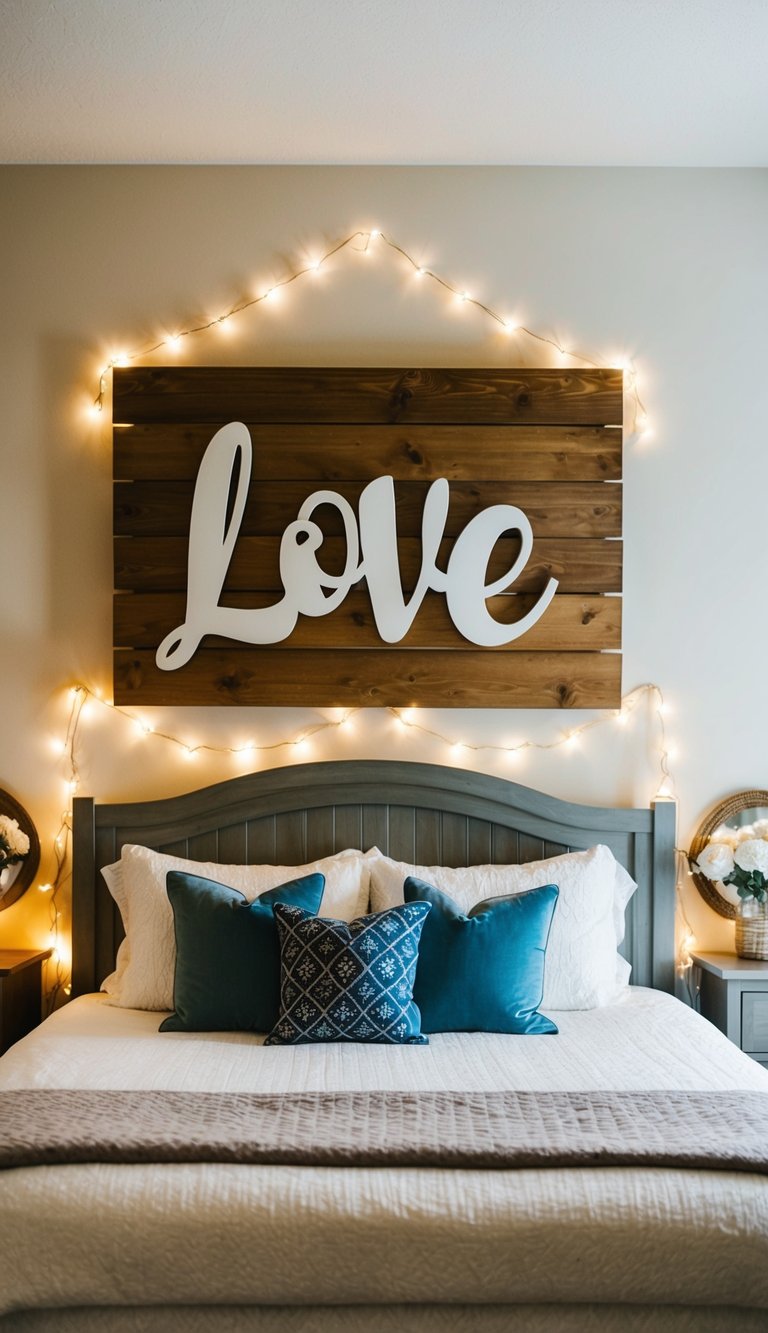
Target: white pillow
583	969
146	959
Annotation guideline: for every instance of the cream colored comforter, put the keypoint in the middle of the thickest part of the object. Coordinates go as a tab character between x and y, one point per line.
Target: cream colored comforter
275	1243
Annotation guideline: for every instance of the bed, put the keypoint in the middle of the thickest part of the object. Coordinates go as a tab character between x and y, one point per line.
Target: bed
307	1245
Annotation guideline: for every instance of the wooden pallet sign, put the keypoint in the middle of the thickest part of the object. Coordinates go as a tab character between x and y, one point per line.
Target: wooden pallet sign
312	537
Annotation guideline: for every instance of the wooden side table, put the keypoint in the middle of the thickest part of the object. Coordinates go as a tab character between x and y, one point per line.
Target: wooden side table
20	993
734	996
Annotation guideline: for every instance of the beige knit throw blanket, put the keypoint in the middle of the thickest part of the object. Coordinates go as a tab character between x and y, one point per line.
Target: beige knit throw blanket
489	1130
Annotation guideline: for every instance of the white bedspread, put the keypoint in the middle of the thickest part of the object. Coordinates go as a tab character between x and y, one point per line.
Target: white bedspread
277	1236
649	1040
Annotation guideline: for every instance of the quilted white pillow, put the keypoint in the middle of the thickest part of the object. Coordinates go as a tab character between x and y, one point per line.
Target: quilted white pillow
583	969
146	959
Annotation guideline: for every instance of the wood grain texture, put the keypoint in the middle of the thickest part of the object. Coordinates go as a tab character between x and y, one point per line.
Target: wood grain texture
586	565
575	508
474	679
546	441
576	624
368	396
331	453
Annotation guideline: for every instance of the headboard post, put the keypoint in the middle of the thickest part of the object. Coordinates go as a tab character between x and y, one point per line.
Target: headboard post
85	874
663	925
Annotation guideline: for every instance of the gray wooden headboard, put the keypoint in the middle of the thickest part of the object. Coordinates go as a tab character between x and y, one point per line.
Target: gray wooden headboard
421	813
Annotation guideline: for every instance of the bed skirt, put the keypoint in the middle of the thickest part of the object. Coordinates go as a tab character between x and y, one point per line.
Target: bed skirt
390	1319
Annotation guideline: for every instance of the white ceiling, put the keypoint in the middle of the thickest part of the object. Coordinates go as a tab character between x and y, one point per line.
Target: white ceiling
551	82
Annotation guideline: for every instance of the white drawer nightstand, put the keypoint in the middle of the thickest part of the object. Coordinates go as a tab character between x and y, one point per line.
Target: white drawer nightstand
734	996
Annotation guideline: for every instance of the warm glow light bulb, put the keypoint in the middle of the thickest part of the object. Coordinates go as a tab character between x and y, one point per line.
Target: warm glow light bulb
45	888
174	341
188	752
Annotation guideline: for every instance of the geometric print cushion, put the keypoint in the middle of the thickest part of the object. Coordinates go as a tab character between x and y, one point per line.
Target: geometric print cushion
348	981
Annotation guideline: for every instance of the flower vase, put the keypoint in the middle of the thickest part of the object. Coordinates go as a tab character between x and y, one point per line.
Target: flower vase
752	929
8	876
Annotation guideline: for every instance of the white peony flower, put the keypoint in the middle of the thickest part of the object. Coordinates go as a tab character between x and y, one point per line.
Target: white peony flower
745	834
716	860
16	838
725	834
761	828
752	855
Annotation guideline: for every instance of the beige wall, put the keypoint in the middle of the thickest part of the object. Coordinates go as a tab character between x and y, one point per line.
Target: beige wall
670	267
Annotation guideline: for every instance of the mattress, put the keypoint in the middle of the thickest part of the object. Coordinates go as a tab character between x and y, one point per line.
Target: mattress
283	1239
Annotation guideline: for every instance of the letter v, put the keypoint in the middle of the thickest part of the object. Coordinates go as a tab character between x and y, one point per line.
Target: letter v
381	566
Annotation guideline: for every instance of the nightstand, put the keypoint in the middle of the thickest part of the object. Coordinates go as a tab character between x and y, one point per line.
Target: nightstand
20	992
734	996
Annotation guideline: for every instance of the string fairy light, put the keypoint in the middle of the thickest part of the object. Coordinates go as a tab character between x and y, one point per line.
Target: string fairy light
57	974
366	242
82	699
362	241
688	939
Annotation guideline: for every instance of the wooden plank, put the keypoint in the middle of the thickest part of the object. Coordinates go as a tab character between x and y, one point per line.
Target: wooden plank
173	452
428	837
320	828
261	840
554	509
232	844
479	850
291	837
153	564
372	678
573	623
454	839
278	394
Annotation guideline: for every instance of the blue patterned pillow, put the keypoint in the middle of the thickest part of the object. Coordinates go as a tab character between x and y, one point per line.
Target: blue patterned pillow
353	981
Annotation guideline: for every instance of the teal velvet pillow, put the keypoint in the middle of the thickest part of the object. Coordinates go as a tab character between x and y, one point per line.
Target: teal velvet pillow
227	975
483	972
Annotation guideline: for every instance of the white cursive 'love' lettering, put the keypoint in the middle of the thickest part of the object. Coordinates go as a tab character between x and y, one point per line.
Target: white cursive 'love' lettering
371	553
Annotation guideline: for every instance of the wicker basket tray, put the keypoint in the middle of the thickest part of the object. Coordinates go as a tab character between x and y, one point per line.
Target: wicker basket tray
752	935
